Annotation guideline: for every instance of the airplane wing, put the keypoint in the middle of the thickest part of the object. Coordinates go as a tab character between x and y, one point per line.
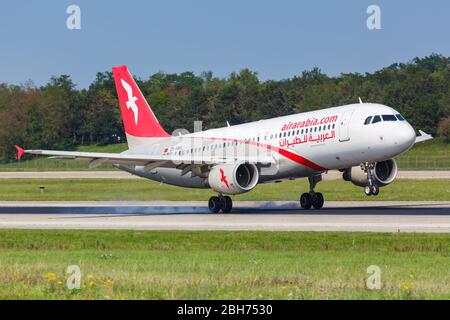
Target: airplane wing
98	158
423	137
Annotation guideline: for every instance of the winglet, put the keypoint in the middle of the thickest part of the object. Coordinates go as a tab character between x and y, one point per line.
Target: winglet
423	137
20	152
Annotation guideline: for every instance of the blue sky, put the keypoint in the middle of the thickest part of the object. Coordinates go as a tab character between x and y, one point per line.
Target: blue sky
278	39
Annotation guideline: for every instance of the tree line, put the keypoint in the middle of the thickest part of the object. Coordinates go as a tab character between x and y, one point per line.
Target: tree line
58	115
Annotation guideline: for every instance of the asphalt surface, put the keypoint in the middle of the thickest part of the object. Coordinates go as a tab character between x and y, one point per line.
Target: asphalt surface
370	216
331	175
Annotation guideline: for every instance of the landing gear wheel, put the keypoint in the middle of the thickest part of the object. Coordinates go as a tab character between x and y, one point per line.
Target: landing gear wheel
306	201
368	191
214	204
227	204
317	200
375	190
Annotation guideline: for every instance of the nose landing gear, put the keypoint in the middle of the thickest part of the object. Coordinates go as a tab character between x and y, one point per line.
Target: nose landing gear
224	203
312	199
371	189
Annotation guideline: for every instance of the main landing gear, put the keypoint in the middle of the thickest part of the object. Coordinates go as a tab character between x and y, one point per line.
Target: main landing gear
220	202
312	199
371	189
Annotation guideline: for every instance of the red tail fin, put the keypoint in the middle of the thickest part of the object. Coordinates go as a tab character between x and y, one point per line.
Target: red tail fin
138	118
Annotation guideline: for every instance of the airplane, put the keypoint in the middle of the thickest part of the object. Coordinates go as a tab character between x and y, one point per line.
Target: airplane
361	140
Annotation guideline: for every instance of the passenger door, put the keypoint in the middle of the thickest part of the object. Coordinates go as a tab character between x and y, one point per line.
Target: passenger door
344	126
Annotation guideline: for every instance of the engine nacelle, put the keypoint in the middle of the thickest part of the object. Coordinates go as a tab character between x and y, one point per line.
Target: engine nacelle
384	173
233	178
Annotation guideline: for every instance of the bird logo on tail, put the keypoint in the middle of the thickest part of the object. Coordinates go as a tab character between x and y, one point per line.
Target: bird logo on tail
131	102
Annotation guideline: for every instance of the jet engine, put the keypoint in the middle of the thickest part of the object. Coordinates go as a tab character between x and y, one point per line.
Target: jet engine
233	178
383	173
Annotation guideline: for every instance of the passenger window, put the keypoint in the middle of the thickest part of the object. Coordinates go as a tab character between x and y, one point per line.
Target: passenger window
376	119
368	120
399	117
389	117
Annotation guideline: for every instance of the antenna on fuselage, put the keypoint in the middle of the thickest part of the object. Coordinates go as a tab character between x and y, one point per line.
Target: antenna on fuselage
360	101
228	124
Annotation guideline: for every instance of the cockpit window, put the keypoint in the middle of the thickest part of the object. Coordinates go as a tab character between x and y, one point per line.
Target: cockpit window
376	119
368	120
399	117
389	117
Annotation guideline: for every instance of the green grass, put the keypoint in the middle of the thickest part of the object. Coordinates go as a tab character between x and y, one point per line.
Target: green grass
126	189
429	155
114	148
222	265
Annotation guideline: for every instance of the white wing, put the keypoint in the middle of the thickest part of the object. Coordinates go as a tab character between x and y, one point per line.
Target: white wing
97	158
423	137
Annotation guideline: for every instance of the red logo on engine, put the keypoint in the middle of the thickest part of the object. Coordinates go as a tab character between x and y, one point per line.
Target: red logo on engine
223	179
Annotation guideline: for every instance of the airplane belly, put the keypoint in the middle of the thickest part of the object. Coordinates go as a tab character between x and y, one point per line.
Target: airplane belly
286	169
170	176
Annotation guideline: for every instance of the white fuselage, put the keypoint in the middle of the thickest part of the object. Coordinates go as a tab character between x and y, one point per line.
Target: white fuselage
300	145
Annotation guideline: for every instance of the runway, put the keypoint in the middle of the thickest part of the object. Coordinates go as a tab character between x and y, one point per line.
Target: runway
368	216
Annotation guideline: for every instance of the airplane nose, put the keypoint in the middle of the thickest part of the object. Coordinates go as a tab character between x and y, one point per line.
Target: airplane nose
405	137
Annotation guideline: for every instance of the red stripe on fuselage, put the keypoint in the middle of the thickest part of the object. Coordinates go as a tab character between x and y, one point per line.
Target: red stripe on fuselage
285	153
299	159
293	156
